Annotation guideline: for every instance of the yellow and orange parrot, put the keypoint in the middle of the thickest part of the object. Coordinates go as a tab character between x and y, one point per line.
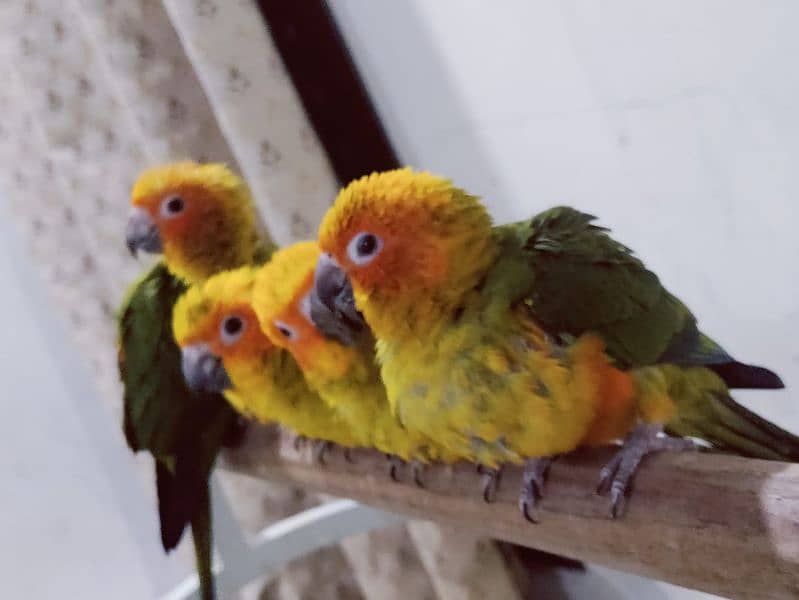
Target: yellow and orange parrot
201	218
345	375
225	351
491	339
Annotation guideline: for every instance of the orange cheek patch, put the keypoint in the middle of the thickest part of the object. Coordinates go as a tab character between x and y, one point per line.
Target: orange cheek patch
252	340
251	343
197	216
408	253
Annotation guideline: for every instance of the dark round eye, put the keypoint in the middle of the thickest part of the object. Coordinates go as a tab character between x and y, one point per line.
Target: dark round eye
364	247
233	325
367	244
231	330
172	206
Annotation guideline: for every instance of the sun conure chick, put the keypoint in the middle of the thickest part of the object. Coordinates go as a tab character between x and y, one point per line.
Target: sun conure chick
346	377
224	350
479	331
201	217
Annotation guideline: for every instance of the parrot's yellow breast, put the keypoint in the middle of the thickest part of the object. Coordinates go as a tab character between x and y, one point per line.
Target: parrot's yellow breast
358	396
490	396
272	388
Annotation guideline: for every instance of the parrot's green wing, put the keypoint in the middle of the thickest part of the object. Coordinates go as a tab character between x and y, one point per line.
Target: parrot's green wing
580	279
182	429
156	401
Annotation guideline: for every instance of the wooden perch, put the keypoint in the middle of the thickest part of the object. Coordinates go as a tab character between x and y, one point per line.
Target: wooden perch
717	523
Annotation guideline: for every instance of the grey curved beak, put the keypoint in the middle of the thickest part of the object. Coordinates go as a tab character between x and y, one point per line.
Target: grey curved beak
203	371
333	309
141	233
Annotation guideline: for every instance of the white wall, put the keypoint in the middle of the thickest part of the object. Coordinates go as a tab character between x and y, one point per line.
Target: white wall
675	122
75	521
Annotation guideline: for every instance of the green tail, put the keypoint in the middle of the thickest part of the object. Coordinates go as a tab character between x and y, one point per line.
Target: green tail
203	545
706	410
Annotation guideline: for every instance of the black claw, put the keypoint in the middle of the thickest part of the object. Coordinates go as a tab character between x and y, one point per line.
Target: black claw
529	515
348	455
394	465
533	480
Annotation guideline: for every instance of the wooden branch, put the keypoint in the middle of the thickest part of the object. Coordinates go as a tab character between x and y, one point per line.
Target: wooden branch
717	523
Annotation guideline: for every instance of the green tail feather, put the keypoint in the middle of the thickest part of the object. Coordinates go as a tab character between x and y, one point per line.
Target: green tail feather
172	512
707	411
203	545
740	430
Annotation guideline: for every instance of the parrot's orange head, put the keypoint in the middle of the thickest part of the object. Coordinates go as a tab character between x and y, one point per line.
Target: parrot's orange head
282	301
218	331
201	216
408	242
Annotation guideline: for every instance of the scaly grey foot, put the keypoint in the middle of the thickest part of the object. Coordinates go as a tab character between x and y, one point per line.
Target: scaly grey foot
320	449
299	442
395	466
489	482
533	479
417	470
617	476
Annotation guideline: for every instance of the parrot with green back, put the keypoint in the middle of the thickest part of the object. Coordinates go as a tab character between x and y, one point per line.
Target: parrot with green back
473	320
345	375
201	218
225	351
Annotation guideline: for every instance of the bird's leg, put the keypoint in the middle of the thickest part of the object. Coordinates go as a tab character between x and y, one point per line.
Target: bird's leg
616	477
395	465
348	455
320	449
533	479
417	470
299	442
489	481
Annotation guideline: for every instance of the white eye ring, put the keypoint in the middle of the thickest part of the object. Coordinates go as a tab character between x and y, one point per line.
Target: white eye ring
286	330
172	206
231	329
305	308
363	247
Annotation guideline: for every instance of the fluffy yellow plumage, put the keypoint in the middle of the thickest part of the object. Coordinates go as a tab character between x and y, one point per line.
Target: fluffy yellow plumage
266	382
346	377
